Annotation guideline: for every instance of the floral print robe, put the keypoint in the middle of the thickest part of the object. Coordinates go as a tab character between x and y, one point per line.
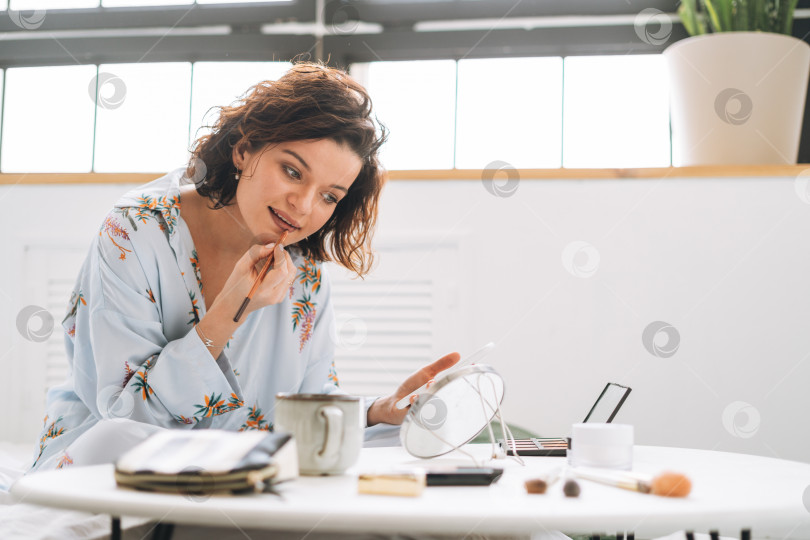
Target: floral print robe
134	353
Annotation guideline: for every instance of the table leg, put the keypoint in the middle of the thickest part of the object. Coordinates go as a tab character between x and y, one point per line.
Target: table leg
116	528
163	531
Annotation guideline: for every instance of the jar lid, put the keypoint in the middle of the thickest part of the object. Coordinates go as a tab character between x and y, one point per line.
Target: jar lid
317	397
602	434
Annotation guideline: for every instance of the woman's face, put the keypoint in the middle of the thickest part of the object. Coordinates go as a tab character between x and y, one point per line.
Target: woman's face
293	186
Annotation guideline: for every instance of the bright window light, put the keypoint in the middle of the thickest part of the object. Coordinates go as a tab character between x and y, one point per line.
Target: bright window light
616	112
510	110
143	117
22	5
48	123
241	1
2	76
130	3
221	83
415	100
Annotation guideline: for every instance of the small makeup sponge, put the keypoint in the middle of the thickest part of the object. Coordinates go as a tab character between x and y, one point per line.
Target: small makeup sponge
670	484
535	485
571	488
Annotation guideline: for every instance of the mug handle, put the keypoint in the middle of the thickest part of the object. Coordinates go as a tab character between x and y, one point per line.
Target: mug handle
334	435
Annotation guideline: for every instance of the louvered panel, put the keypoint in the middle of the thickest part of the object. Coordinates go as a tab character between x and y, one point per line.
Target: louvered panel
389	332
397	324
386	304
368	375
393	290
395	286
381	354
386	314
382	362
385	331
56	365
393	343
366	389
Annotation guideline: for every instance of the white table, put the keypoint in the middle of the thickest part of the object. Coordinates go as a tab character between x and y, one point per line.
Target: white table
730	492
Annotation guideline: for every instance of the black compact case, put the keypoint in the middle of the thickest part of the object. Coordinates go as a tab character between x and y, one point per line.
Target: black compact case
464	476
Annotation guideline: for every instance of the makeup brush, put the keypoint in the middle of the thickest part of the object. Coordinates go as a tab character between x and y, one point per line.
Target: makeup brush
541	483
667	484
267	264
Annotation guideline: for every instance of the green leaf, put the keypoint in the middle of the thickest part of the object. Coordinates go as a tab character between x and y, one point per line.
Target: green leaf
701	16
755	11
687	11
740	16
703	27
786	18
714	17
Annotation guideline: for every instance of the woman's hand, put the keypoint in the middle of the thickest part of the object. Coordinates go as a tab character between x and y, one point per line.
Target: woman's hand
272	290
384	409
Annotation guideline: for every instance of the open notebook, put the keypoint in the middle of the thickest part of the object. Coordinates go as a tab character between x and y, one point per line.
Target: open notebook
208	461
603	411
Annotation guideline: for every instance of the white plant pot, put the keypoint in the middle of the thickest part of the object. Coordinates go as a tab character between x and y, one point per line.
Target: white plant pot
737	98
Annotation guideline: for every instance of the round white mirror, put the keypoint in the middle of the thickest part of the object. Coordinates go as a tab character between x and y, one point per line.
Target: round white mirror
456	408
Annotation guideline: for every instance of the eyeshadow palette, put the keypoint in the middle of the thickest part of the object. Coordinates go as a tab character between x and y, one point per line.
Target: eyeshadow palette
537	447
604	410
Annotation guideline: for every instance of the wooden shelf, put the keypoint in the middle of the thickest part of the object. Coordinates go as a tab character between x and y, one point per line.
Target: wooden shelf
715	171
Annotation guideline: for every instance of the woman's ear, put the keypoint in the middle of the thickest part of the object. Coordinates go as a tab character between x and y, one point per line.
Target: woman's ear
238	156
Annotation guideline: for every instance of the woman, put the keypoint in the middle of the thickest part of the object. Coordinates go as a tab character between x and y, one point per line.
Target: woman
150	331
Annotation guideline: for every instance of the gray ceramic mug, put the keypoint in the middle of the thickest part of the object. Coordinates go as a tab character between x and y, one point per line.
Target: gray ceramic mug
328	430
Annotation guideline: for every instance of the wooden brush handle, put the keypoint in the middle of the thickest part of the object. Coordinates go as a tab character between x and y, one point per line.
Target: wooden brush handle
267	265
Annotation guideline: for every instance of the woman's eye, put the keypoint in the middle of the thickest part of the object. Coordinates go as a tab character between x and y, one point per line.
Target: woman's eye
292	173
331	199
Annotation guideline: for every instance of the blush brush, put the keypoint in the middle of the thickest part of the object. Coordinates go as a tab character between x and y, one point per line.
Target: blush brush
667	484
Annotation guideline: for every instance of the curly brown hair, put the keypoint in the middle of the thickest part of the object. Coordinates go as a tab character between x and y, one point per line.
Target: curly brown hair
311	101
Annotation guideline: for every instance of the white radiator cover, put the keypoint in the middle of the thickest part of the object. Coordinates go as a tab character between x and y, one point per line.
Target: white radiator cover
401	316
386	324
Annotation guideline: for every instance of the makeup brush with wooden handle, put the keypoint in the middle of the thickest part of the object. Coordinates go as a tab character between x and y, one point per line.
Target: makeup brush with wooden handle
267	264
667	484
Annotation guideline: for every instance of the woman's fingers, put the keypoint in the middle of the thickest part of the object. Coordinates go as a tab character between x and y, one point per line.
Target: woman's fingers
276	279
257	256
427	373
276	284
445	362
272	288
290	269
385	410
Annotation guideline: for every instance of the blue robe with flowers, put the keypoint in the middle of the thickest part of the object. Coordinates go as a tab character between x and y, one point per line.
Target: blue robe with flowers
134	353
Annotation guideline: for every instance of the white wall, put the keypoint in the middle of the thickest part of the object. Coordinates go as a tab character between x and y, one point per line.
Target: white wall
724	261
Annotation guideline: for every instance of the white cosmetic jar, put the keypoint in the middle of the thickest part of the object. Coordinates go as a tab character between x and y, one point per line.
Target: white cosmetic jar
609	446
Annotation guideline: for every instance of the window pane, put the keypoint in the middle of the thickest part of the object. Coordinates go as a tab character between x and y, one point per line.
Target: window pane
616	112
121	3
48	123
239	1
220	83
2	75
509	109
416	101
21	5
142	122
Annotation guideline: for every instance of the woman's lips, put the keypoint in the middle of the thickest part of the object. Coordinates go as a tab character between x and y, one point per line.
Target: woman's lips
280	222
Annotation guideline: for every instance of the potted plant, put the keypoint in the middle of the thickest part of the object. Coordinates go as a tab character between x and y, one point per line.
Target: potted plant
738	84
